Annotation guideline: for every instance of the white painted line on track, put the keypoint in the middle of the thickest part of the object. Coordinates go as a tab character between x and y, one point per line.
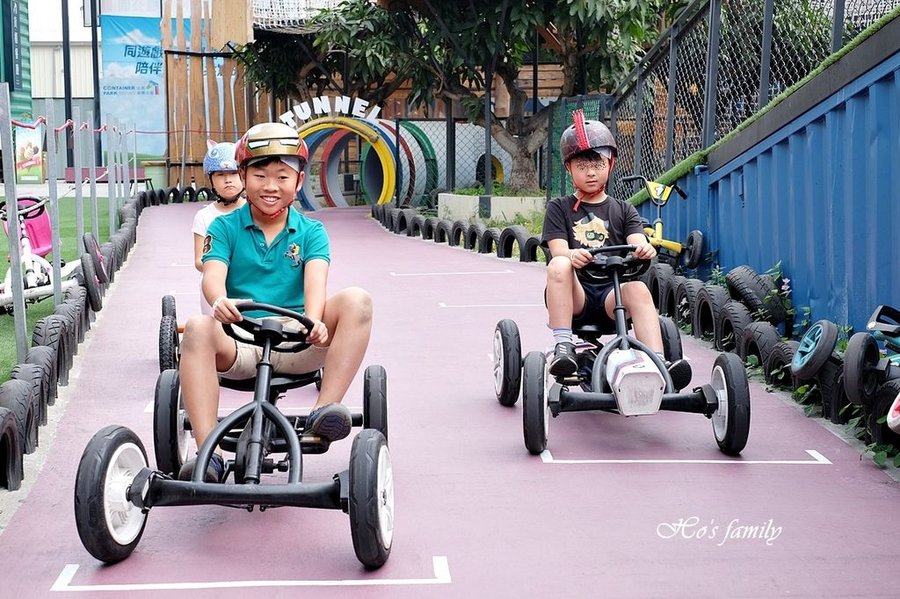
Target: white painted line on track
450	274
445	305
64	580
817	459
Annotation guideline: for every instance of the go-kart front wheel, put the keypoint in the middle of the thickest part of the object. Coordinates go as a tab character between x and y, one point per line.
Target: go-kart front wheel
170	439
371	506
375	403
731	420
535	407
507	362
108	524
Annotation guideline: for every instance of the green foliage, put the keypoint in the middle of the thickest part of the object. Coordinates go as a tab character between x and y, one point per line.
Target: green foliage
717	275
498	189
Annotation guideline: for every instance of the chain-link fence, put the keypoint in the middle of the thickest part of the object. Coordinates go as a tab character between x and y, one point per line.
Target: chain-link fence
678	101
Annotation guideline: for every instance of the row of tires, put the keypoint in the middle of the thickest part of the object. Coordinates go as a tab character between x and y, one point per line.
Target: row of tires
505	243
175	195
33	384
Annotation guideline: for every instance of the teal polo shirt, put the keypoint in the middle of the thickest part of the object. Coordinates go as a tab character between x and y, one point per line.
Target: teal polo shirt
266	273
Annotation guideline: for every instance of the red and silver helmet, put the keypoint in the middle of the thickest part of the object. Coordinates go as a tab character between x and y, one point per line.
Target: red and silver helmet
270	140
584	135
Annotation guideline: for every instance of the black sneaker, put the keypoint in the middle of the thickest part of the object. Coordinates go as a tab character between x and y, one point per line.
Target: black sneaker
563	362
215	472
680	372
332	422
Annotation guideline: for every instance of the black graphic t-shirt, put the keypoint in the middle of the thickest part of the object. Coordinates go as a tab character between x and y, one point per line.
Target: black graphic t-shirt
591	225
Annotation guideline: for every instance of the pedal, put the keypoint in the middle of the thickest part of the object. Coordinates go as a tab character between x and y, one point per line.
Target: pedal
313	444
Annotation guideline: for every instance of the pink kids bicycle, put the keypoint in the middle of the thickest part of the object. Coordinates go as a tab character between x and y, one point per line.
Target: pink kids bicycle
35	244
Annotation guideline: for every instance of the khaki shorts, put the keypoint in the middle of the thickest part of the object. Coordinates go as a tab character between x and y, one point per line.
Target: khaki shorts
248	355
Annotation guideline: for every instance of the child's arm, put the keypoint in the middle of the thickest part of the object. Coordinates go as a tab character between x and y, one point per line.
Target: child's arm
213	286
315	277
198	252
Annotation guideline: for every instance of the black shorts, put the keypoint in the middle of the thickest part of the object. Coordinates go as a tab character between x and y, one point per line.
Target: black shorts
594	306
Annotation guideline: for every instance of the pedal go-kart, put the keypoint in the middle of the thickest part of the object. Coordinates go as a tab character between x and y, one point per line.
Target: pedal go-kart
670	252
115	489
622	376
35	243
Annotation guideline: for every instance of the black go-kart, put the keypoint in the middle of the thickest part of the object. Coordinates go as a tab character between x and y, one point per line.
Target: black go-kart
115	489
622	375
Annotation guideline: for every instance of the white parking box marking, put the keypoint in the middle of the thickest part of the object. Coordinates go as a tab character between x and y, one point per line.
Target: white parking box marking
64	582
817	459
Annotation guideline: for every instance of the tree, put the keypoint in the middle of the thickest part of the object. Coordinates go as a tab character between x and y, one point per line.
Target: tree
443	49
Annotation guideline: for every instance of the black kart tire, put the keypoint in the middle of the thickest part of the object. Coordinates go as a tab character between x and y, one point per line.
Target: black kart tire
50	331
510	237
692	253
457	233
17	396
167	306
169	344
535	408
92	247
530	251
731	420
685	299
33	375
11	459
375	400
879	431
188	194
45	358
758	339
108	524
861	375
777	370
816	347
473	236
170	439
733	319
428	227
507	362
91	283
708	306
831	388
415	225
487	243
671	338
667	302
442	231
371	505
758	292
656	275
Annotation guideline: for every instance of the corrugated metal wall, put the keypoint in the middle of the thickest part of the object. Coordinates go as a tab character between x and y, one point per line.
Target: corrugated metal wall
820	195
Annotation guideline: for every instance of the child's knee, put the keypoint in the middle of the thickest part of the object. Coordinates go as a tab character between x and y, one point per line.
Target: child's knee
559	269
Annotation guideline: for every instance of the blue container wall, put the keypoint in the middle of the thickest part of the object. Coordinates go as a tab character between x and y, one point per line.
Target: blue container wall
821	196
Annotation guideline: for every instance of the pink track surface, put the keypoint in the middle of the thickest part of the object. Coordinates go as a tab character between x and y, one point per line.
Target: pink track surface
476	516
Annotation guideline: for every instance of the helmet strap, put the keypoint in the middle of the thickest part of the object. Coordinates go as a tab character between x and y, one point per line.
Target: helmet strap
226	201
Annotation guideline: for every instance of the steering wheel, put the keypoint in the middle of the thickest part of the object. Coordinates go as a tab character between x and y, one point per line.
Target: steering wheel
267	328
614	257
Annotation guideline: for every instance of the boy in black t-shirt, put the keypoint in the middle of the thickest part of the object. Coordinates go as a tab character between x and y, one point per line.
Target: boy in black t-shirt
590	218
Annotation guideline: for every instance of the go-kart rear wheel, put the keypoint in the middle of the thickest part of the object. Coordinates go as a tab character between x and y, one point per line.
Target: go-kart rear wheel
693	249
535	407
371	505
169	350
861	377
731	420
671	339
507	362
170	439
108	524
375	402
815	348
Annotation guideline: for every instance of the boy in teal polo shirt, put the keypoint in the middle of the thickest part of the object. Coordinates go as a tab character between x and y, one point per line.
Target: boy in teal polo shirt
268	252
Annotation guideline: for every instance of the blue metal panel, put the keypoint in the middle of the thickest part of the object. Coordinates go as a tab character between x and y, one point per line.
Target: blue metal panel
821	196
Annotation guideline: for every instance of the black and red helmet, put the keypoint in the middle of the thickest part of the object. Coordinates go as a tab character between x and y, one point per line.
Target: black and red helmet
584	135
269	140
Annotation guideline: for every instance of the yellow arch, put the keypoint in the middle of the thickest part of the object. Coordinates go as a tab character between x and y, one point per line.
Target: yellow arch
372	136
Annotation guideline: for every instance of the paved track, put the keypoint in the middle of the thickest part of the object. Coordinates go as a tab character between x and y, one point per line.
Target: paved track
639	507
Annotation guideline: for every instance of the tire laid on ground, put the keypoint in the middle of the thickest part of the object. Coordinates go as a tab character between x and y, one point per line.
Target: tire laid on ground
428	227
758	292
831	387
685	299
371	506
45	358
50	331
91	283
170	439
68	330
169	346
390	218
655	274
375	400
692	253
33	375
671	338
77	296
108	524
110	259
708	306
778	368
414	227
11	462
487	243
733	319
92	247
667	302
188	194
402	219
173	196
530	251
514	234
731	420
861	378
535	409
878	430
759	339
457	233
442	231
205	194
816	347
473	236
507	362
17	396
73	322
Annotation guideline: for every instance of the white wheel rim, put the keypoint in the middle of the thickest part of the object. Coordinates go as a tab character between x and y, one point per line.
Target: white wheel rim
720	416
181	435
385	495
123	520
499	364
